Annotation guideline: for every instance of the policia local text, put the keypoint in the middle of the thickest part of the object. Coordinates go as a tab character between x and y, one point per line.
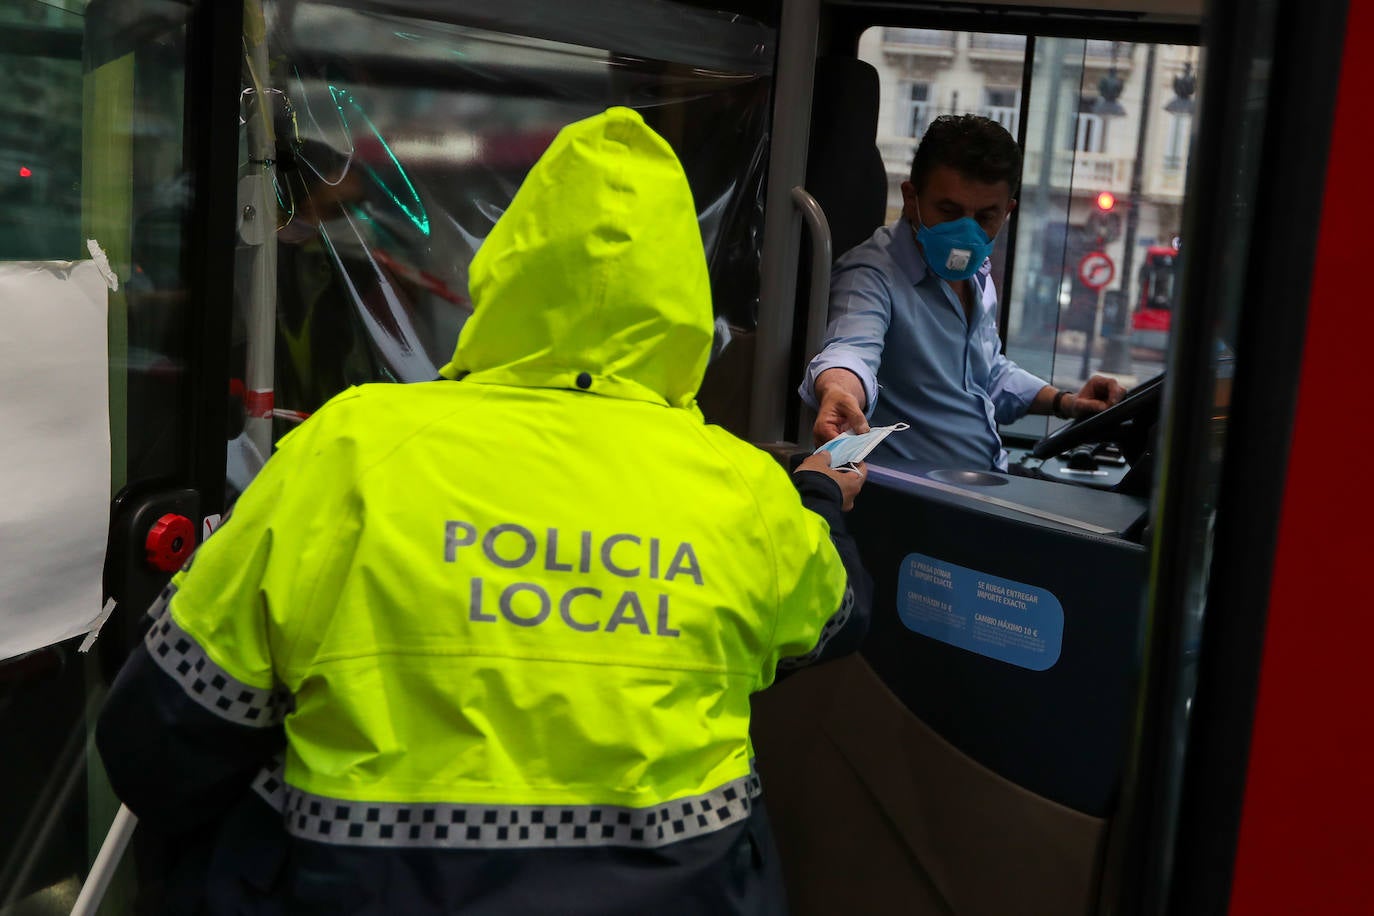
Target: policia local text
577	607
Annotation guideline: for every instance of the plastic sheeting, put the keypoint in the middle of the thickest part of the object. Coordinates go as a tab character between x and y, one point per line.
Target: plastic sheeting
402	131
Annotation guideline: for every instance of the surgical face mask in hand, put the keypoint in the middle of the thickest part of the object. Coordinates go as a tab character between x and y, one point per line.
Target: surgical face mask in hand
847	448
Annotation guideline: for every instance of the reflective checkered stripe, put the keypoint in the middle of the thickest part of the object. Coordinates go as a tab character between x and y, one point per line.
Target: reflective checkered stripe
446	826
178	654
832	626
270	783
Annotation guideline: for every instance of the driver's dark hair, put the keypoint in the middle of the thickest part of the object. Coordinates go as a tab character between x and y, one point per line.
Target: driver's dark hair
977	148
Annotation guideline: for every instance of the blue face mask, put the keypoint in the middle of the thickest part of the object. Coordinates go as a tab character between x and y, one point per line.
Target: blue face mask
849	448
954	250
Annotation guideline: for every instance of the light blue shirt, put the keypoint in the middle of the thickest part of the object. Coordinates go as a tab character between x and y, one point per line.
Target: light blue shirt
902	331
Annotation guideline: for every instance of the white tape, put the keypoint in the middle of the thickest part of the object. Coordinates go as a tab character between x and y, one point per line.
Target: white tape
96	625
102	264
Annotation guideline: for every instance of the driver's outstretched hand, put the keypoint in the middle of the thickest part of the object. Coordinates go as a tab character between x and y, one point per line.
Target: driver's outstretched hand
1096	396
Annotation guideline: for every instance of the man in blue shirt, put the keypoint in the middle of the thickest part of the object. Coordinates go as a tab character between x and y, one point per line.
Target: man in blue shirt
913	315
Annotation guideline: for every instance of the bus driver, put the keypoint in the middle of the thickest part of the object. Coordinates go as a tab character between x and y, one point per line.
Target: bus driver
914	313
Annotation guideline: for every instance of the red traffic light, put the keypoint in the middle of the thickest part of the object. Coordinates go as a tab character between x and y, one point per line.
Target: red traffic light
25	172
1105	201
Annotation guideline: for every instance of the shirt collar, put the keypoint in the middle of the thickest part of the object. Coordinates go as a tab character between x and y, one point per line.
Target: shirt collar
905	252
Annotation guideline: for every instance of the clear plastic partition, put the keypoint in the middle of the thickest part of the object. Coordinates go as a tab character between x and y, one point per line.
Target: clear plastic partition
379	143
382	141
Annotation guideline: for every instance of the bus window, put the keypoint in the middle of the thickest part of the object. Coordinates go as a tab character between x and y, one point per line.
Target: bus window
380	150
92	146
40	153
1101	205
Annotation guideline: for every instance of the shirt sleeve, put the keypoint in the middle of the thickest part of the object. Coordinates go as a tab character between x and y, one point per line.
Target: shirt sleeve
1011	388
860	311
824	593
201	697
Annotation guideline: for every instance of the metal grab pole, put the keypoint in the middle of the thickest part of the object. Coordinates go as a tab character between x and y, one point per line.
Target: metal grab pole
258	217
818	296
791	127
106	861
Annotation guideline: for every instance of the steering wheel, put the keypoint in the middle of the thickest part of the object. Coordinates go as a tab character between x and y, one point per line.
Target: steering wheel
1143	400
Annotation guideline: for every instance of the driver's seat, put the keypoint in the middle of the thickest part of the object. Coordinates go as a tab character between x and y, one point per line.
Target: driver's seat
844	169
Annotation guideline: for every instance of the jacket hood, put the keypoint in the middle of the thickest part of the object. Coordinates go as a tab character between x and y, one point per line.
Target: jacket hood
595	278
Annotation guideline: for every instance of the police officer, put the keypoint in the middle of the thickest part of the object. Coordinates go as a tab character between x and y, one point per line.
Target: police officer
503	628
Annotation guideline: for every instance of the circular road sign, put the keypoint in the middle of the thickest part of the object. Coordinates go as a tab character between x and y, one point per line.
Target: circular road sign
1096	270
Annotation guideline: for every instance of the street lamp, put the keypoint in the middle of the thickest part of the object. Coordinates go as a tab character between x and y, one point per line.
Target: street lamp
1117	356
1185	84
1109	90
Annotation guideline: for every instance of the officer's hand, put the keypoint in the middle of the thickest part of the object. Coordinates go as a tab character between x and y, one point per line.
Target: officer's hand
1096	396
850	477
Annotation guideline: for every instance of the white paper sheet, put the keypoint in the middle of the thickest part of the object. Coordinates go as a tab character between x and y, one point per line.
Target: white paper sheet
54	450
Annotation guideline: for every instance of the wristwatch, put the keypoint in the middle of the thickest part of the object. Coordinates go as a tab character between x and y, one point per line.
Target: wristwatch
1058	399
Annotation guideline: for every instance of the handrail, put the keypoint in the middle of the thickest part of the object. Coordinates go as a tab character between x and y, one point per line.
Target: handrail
106	861
818	300
818	296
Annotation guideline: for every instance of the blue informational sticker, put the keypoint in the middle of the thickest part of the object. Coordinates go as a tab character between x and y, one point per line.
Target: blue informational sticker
1010	621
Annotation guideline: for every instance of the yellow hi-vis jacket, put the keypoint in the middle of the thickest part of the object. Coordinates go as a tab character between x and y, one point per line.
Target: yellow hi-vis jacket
523	607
